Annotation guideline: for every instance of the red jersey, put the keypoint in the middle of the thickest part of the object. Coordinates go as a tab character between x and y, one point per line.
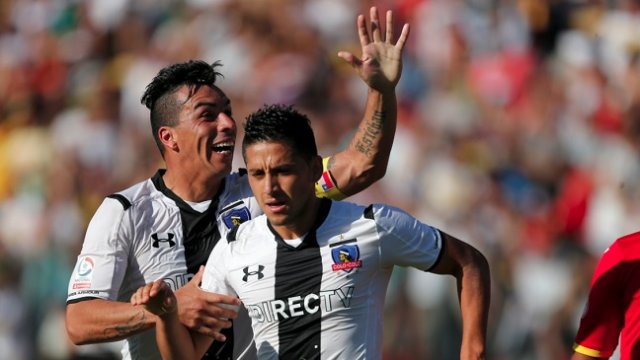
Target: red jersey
613	307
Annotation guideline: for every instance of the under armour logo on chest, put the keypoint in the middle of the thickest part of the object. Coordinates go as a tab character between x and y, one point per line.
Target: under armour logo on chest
248	273
157	240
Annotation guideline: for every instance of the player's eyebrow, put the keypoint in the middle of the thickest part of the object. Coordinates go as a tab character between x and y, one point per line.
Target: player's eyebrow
225	103
205	103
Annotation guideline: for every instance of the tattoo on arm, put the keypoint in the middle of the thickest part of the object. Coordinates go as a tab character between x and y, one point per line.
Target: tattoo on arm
135	324
366	137
330	163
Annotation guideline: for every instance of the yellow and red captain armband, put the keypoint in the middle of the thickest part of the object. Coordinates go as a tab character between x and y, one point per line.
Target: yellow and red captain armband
326	186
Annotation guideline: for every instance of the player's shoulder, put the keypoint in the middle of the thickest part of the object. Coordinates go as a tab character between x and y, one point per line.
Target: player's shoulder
242	233
350	211
382	212
627	245
118	210
134	194
347	209
236	186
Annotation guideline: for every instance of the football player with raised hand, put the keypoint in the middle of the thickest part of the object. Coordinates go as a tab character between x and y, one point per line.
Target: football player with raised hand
168	225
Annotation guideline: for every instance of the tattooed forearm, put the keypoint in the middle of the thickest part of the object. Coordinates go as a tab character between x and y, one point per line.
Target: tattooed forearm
135	324
367	136
332	160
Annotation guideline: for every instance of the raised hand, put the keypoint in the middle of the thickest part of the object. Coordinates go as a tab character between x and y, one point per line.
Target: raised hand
205	312
381	63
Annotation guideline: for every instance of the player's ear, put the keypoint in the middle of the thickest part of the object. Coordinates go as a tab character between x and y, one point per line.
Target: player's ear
316	168
167	137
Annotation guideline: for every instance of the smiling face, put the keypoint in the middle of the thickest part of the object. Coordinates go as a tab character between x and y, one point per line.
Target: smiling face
202	141
283	184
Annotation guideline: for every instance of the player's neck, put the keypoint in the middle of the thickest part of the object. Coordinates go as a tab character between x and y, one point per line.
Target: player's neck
192	188
302	224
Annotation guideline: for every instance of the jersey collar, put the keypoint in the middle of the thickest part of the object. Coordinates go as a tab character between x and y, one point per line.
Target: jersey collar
310	238
158	182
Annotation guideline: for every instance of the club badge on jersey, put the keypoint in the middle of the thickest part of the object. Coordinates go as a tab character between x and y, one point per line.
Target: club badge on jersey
235	217
346	257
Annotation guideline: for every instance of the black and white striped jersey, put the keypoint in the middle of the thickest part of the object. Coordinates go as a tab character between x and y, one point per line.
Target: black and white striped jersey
145	233
324	298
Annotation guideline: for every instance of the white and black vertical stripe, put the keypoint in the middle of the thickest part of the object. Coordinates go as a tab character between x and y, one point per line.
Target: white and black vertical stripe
200	235
298	272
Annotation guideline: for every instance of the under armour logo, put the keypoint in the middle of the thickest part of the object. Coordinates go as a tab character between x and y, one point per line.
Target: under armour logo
157	240
248	273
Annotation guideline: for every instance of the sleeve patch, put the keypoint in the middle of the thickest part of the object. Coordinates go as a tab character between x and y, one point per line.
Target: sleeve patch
83	274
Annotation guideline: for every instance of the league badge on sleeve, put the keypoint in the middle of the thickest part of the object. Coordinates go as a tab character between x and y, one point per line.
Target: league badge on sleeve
346	258
83	273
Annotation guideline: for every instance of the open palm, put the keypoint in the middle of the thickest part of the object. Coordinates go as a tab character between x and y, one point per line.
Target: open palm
381	63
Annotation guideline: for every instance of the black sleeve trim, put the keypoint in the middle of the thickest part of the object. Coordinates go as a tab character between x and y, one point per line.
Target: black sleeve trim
231	235
79	300
230	206
368	212
443	240
126	204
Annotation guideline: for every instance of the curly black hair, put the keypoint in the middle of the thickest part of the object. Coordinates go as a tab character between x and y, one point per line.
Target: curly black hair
280	123
158	94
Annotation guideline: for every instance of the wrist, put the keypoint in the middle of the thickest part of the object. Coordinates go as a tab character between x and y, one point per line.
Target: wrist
475	351
385	93
167	311
166	316
163	310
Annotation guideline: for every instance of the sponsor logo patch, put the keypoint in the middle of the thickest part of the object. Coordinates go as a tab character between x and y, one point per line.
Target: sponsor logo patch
346	258
84	273
236	217
164	238
301	305
257	272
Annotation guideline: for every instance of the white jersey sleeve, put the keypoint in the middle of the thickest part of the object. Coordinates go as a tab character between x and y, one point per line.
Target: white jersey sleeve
404	240
102	263
214	279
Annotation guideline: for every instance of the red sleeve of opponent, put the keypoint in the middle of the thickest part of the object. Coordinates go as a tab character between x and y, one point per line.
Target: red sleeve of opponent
604	315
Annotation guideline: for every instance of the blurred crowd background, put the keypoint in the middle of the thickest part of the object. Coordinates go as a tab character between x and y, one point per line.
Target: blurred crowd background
518	131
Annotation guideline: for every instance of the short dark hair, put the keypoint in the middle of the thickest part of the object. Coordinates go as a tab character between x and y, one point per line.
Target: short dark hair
158	97
280	123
